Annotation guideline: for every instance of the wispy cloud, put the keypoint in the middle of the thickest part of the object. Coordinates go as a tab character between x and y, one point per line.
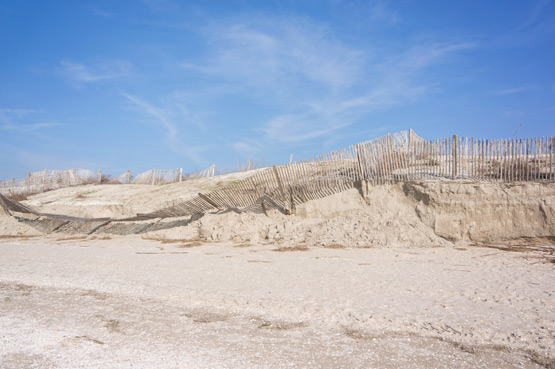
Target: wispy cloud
279	52
537	23
9	114
302	127
422	56
161	116
21	120
534	17
33	161
246	147
164	118
103	14
81	73
162	5
390	83
378	11
319	83
28	128
516	90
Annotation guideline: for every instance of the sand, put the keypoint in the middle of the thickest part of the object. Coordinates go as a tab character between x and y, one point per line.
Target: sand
121	302
413	214
396	276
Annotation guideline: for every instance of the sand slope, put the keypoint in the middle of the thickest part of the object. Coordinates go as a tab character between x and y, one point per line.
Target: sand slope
411	214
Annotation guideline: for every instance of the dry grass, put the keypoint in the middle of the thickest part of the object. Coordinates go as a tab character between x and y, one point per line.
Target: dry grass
243	245
334	246
530	244
278	325
86	338
541	249
75	238
190	244
294	248
171	240
17	196
101	238
18	236
206	317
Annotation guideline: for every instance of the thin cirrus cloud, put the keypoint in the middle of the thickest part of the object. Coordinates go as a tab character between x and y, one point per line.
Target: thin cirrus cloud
28	128
17	120
7	115
385	84
246	147
320	83
294	63
164	118
82	74
516	90
283	53
159	116
535	18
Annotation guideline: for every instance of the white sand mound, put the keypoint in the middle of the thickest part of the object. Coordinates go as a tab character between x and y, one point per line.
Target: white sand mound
123	200
345	219
402	215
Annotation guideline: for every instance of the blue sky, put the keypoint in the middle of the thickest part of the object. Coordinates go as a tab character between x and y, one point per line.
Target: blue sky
165	84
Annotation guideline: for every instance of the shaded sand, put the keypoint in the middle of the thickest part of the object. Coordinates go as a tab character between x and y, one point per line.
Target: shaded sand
112	303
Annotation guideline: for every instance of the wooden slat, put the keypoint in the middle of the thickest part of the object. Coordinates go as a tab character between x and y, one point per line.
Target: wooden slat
550	146
208	200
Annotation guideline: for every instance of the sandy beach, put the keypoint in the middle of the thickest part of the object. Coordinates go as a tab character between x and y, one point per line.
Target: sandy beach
128	302
415	274
277	184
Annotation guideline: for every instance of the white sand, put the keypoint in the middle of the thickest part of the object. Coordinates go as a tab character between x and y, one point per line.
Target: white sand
409	291
113	303
110	200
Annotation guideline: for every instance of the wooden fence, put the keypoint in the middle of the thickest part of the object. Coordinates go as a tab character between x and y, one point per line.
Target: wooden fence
46	180
391	158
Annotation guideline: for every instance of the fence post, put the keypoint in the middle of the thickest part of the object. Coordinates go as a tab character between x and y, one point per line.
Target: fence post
100	176
359	161
281	188
291	159
249	165
454	156
180	178
128	176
